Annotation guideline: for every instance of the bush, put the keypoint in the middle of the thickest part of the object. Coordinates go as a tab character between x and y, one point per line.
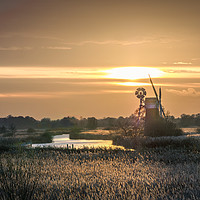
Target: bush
75	130
8	143
31	130
162	127
45	137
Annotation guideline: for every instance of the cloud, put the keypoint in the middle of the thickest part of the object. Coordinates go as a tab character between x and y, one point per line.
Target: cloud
24	95
113	42
187	92
117	91
181	71
194	59
58	48
49	72
182	63
14	48
54	94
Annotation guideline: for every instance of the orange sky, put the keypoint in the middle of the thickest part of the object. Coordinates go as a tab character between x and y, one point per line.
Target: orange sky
86	58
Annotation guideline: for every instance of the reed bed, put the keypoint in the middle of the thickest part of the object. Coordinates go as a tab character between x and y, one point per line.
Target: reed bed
141	142
99	174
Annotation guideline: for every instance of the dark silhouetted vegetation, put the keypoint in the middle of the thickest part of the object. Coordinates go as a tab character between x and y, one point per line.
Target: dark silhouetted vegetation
21	122
3	129
92	123
162	127
141	142
31	130
45	137
189	120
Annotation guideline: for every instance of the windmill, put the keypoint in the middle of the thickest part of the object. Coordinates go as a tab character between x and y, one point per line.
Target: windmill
161	111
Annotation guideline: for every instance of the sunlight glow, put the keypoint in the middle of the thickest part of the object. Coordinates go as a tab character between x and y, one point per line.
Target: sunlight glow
133	84
133	73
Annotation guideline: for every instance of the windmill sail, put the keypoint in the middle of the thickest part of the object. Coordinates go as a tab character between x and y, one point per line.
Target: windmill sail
154	89
160	105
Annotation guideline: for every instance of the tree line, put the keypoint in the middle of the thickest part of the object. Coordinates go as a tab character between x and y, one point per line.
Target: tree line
20	122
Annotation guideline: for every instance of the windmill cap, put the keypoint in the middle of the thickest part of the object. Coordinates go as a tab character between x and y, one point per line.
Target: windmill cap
151	103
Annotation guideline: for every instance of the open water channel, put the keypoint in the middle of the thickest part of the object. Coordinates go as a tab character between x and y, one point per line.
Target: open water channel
65	141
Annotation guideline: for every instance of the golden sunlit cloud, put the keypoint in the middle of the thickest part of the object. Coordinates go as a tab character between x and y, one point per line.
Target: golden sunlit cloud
133	73
132	84
49	72
181	72
25	95
51	95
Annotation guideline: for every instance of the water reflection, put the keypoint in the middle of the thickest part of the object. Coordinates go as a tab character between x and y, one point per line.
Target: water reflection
65	141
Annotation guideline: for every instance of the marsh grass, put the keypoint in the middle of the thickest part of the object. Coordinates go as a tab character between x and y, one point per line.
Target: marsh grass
19	179
173	142
51	173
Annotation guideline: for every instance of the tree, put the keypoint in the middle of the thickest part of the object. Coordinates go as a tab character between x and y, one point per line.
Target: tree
129	125
91	123
46	123
66	122
187	120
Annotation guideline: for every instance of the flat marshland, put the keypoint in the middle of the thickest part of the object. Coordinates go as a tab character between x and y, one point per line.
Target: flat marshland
50	173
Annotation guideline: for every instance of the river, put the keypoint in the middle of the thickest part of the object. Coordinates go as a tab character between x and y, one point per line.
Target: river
65	141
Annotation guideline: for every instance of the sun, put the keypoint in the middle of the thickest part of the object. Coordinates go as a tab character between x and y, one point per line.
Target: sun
132	73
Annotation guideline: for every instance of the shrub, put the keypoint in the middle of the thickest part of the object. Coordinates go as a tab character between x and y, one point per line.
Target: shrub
8	143
162	127
45	137
31	130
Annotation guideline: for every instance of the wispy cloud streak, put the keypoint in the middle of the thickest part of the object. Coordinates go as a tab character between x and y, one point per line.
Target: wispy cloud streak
182	63
57	48
14	48
112	42
187	92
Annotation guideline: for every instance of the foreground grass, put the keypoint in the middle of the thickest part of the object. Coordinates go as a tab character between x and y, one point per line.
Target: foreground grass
99	174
